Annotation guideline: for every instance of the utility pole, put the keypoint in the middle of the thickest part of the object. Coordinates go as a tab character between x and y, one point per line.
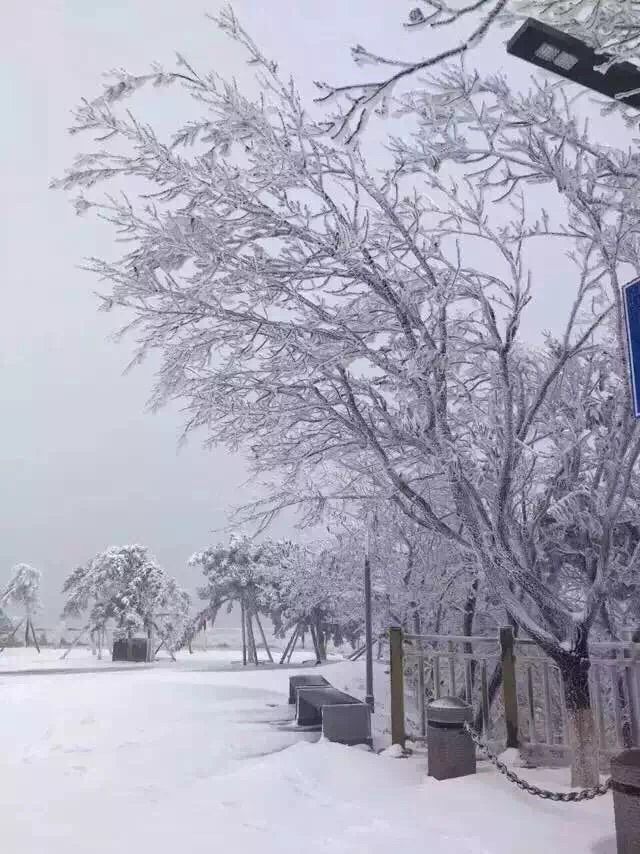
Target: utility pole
369	700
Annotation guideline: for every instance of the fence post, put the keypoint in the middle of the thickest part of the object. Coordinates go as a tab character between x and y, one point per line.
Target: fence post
632	680
398	735
509	691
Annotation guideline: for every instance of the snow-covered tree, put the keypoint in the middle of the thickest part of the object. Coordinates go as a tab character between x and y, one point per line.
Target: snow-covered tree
5	622
610	27
240	569
328	319
240	572
23	590
294	586
173	617
318	591
126	585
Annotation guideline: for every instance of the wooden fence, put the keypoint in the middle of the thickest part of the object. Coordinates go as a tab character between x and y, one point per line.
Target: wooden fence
515	690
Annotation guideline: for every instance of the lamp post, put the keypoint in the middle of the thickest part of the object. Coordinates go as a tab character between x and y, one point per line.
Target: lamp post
574	60
368	631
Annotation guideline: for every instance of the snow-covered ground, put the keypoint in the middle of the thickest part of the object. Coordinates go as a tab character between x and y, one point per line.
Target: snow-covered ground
178	758
20	658
221	647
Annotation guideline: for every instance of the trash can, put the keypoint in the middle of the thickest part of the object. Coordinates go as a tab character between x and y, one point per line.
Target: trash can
450	750
130	649
625	782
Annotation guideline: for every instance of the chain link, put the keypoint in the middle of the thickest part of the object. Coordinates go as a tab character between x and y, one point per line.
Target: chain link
565	797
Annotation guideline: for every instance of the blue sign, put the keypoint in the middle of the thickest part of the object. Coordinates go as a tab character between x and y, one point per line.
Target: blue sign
631	297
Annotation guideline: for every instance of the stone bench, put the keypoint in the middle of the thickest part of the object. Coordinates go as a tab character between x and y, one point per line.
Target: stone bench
348	723
312	699
305	681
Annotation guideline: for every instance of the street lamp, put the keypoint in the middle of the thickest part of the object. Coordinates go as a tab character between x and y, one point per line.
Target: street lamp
368	630
571	58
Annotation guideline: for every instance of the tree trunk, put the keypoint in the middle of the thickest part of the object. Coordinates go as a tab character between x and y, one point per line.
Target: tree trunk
314	638
251	642
243	626
580	722
264	638
288	650
322	642
467	623
35	639
294	641
150	656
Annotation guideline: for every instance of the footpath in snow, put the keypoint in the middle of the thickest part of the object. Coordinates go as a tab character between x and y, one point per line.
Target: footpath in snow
159	760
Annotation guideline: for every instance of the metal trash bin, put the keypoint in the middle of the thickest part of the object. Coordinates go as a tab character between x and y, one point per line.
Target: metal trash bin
625	782
131	649
450	750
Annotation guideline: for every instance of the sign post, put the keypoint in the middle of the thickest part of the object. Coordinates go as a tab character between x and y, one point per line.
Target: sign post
631	298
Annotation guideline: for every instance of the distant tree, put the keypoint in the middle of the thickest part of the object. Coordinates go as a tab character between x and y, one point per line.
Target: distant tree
5	623
240	572
297	587
23	590
127	586
319	593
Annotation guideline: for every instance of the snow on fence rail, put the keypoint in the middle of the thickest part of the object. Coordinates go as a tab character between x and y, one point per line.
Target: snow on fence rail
534	711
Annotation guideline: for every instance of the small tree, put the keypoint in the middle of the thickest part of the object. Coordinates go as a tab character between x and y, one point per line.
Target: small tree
23	591
5	622
127	585
317	591
240	572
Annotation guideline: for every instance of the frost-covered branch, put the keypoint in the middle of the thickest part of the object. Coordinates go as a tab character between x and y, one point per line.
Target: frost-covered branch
610	27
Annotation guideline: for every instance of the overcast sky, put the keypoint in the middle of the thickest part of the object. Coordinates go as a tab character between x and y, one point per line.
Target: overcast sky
82	464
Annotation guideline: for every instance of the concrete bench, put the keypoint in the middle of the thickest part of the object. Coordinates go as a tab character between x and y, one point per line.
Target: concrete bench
348	723
311	700
305	681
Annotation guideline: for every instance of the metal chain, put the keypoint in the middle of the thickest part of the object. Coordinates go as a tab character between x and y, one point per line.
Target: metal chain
566	797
